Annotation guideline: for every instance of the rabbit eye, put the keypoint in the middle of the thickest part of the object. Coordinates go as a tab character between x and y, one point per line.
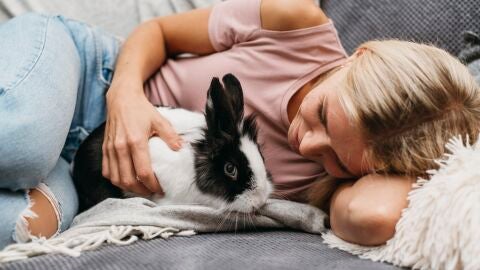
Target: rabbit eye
230	170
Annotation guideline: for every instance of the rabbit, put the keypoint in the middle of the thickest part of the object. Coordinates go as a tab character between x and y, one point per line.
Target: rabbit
219	165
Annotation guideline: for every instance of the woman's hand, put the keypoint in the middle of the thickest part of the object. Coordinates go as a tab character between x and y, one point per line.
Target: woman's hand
131	121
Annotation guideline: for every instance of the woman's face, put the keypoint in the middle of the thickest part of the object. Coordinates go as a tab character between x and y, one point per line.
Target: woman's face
332	141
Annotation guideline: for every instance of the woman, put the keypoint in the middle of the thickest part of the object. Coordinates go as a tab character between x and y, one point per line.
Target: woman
389	109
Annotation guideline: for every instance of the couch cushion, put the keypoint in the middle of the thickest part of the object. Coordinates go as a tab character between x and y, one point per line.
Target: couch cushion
246	250
440	22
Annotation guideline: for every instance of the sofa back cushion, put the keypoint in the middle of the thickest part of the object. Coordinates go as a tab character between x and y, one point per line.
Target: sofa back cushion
439	22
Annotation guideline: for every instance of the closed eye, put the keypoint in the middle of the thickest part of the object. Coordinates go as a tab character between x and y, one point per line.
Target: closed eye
322	113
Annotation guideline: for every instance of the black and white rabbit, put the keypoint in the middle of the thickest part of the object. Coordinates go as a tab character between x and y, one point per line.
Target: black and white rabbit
219	165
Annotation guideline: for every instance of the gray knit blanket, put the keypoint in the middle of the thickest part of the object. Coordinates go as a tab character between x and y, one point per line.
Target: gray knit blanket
123	221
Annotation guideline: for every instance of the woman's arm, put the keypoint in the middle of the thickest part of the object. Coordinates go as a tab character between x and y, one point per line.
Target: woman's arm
131	119
365	212
152	42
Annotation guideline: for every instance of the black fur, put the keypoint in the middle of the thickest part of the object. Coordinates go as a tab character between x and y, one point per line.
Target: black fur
250	127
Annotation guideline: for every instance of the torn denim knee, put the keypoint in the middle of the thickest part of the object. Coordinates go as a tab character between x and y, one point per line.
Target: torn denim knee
22	232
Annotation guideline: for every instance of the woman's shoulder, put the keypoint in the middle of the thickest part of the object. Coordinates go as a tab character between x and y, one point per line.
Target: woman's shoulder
285	15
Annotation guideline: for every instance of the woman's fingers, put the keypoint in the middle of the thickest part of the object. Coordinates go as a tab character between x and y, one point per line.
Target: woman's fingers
165	131
120	166
143	167
128	177
118	162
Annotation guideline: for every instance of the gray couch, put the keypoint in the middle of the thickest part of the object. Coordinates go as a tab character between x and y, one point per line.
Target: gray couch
439	22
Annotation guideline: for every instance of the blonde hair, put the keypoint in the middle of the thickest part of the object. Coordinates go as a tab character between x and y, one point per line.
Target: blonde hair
407	100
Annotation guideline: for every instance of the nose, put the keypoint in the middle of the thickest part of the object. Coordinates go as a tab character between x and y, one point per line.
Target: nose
314	144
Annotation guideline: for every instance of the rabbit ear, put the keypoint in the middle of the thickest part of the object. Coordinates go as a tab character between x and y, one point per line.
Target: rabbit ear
234	89
219	113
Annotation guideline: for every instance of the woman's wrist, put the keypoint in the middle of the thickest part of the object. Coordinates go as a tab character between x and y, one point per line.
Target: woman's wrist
142	53
130	85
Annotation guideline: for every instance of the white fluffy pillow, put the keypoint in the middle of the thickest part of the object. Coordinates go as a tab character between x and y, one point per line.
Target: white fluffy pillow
440	229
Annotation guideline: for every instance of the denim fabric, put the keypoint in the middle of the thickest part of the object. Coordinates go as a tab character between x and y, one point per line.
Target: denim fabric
98	55
54	75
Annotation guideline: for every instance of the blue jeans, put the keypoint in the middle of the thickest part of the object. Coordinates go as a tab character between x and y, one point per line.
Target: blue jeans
54	73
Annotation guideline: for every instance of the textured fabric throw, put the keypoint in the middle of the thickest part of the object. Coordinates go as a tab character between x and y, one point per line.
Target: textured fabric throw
122	222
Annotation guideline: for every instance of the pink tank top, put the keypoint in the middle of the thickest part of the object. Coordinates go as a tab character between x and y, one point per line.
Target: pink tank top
271	66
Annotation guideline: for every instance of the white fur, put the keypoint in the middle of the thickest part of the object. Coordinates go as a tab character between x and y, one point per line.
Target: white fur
176	173
252	199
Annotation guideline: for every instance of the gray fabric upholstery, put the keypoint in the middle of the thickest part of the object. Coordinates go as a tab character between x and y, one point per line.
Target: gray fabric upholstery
440	22
250	250
116	16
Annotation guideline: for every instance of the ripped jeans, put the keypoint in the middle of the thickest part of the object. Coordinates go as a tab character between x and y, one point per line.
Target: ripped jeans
54	73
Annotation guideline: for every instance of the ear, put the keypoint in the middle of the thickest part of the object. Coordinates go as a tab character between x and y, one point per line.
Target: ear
234	90
219	113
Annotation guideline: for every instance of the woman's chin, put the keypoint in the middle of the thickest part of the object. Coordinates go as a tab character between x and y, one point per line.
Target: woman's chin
335	174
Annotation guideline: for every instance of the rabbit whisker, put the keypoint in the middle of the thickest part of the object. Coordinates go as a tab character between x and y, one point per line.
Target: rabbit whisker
224	219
